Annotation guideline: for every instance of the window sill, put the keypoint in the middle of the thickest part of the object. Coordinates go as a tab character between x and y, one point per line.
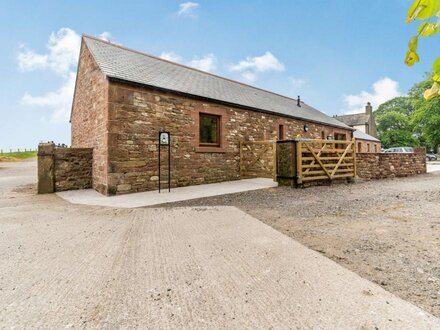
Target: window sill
211	149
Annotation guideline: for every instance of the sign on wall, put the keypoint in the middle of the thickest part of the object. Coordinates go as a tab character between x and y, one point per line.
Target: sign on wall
164	138
164	141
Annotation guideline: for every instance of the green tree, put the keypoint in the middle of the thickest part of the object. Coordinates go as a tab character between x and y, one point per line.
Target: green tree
426	118
426	122
410	120
395	129
400	104
416	92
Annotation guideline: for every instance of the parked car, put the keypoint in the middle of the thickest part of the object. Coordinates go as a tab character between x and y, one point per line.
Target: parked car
403	150
431	156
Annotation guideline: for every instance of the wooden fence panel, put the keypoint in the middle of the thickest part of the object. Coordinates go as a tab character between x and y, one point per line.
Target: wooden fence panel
258	159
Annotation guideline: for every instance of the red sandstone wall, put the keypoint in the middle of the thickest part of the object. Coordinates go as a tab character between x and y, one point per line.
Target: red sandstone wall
390	165
364	146
137	114
89	116
72	168
61	168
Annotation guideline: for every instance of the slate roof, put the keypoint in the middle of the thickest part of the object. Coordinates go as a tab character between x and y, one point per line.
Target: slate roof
355	119
364	136
121	63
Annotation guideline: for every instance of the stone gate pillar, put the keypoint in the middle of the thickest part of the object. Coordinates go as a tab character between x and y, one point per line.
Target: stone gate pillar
286	163
46	168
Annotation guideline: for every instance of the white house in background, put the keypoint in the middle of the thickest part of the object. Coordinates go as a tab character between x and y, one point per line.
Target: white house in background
363	122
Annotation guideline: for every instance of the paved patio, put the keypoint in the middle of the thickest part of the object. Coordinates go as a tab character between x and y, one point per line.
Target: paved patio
149	198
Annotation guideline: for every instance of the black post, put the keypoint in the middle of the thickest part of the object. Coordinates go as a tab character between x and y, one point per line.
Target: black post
166	141
169	165
159	159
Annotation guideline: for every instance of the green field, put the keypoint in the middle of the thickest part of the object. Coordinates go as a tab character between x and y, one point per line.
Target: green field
18	155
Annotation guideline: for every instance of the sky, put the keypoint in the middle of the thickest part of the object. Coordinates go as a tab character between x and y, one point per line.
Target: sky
337	54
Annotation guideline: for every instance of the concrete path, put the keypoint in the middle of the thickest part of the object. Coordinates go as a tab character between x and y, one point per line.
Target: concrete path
17	173
193	268
91	197
433	166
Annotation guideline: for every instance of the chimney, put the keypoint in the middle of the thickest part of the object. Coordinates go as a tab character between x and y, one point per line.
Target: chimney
299	101
369	109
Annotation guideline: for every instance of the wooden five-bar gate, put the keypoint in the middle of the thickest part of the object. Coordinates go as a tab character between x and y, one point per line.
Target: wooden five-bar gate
302	160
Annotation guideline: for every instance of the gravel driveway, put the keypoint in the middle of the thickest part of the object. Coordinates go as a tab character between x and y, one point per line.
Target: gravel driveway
387	231
73	266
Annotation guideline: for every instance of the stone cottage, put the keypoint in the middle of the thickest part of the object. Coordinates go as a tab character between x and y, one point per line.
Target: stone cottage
363	122
123	98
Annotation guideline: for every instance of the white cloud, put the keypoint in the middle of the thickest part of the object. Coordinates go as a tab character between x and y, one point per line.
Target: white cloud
188	9
297	83
257	64
206	63
28	60
171	56
59	101
263	63
249	76
384	90
61	58
107	36
63	50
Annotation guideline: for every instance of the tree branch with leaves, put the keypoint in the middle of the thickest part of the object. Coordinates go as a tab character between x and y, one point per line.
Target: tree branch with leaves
427	11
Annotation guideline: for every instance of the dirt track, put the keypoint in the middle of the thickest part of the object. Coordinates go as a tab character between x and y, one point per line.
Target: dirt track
386	231
71	266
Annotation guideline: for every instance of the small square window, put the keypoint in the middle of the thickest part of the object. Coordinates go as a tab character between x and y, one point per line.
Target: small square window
209	130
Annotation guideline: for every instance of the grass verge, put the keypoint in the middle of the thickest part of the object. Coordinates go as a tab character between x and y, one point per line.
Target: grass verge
15	156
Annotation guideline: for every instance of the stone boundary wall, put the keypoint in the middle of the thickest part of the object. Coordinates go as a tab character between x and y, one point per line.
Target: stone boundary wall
73	168
63	168
390	165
